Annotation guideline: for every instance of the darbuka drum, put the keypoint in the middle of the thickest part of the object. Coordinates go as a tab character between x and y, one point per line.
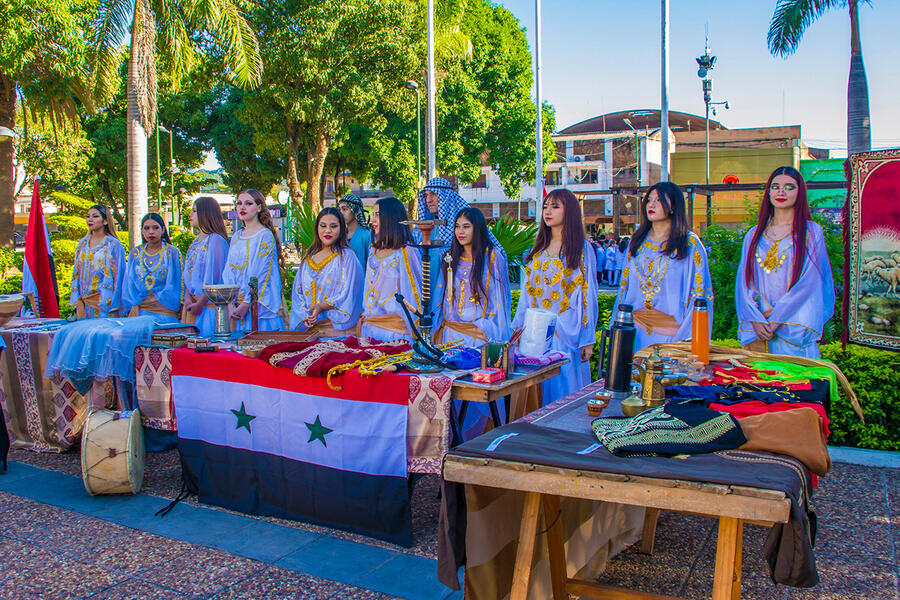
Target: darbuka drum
112	452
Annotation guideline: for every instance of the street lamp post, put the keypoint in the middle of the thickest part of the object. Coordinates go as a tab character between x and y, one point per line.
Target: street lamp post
412	85
172	169
707	63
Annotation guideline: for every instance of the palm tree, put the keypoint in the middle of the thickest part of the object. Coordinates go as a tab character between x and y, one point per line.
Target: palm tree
176	30
790	20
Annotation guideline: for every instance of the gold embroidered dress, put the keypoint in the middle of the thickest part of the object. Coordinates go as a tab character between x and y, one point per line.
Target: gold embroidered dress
256	256
572	294
804	308
153	283
662	289
461	314
400	271
336	280
97	277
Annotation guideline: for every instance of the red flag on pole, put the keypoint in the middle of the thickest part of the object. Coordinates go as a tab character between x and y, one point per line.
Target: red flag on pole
39	274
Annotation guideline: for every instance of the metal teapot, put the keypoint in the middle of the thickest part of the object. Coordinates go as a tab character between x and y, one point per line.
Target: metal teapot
653	390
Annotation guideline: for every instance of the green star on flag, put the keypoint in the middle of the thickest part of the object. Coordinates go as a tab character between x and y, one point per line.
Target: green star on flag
317	431
243	419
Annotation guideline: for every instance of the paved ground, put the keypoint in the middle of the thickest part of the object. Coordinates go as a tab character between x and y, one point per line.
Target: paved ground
57	542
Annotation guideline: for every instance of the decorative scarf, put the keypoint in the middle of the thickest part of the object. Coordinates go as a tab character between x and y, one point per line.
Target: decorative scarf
356	205
449	205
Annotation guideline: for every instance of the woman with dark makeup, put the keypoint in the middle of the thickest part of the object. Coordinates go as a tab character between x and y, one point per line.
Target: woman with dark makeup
327	292
665	270
560	278
391	267
152	284
99	268
784	290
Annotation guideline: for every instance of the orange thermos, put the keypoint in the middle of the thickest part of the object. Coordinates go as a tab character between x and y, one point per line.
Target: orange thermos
700	330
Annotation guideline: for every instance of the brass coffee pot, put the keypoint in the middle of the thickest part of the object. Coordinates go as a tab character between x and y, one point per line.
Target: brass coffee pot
653	385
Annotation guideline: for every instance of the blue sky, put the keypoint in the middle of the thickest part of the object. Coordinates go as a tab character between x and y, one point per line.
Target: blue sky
601	56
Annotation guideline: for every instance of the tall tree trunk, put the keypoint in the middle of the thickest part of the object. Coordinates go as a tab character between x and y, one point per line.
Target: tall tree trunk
7	168
293	159
136	139
315	167
337	174
859	134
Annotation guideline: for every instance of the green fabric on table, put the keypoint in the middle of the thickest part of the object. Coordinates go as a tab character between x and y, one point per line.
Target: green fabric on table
791	372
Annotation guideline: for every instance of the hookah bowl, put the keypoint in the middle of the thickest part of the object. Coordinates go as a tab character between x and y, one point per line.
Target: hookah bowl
221	295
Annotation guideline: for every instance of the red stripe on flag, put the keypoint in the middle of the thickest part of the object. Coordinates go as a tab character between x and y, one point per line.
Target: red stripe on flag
37	256
388	388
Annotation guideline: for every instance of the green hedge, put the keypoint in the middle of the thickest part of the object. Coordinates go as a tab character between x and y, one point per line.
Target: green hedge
875	377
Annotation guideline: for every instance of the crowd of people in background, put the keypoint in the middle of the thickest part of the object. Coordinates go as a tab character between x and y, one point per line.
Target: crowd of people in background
611	251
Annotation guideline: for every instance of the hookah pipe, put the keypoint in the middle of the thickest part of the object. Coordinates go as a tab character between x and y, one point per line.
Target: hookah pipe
422	347
254	303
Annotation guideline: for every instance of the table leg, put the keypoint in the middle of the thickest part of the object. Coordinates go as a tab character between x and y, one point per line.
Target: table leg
651	516
727	578
525	552
495	414
463	407
455	434
556	548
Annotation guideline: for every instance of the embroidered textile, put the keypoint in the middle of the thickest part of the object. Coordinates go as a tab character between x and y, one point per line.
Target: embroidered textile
674	428
315	359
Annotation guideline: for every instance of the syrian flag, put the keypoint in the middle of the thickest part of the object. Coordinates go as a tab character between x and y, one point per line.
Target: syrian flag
259	439
38	272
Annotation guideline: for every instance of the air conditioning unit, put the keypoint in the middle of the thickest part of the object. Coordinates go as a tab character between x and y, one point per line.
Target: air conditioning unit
578	158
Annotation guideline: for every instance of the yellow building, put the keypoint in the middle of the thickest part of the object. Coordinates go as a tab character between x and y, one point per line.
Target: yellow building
737	156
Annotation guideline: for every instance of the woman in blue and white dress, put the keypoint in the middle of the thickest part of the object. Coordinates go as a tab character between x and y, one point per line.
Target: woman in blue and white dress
255	251
327	293
559	272
153	283
204	264
99	268
391	267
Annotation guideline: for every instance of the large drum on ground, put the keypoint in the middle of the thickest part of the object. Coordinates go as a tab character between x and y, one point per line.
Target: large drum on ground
112	452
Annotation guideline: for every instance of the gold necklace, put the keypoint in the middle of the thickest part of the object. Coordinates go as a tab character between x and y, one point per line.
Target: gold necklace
772	262
652	282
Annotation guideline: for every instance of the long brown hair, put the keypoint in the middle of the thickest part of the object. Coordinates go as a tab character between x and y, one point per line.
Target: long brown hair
798	227
209	216
110	226
340	244
265	219
573	229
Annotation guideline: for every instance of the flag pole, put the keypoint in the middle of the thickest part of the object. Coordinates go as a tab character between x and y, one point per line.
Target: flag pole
539	134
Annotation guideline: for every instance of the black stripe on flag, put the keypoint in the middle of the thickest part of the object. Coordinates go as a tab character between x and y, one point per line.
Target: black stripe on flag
265	484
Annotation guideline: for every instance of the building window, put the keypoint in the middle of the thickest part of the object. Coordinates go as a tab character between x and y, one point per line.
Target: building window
588	176
481	182
560	151
553	177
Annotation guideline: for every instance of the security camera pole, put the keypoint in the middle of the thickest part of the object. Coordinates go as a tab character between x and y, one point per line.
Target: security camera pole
706	63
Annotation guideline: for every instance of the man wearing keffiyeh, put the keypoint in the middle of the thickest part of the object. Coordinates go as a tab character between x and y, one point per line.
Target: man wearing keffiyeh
439	200
358	235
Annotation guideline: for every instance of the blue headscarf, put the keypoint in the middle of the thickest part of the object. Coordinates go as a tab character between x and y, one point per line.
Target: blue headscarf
449	205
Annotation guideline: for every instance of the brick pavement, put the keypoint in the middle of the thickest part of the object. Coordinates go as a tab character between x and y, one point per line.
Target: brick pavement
57	542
